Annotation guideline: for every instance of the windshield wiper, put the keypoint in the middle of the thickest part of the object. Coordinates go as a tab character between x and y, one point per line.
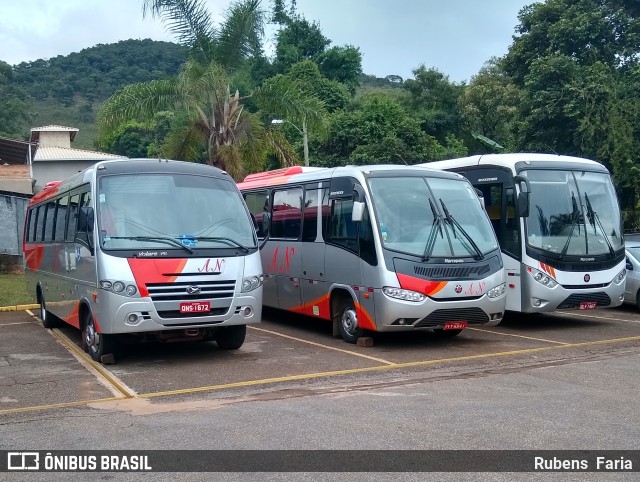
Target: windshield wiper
593	219
431	241
229	241
575	215
453	222
158	239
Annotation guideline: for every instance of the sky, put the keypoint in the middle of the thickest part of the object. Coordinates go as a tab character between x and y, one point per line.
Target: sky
395	37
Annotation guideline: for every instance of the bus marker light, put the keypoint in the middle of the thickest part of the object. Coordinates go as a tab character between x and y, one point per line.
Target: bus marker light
94	295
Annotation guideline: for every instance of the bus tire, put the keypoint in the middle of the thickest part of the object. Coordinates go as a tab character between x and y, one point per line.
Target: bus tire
348	321
48	320
231	337
447	333
96	344
638	299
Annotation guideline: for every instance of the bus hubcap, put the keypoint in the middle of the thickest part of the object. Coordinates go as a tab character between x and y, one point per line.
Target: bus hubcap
350	321
91	337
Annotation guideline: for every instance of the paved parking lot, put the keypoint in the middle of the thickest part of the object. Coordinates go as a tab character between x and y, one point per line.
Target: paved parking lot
44	369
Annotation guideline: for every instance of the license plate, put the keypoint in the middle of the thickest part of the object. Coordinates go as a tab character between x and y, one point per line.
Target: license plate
455	325
195	307
588	305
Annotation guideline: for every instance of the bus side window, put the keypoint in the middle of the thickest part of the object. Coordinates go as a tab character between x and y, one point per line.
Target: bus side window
73	218
510	236
341	229
310	215
49	221
61	216
31	233
286	213
367	245
38	235
85	201
258	204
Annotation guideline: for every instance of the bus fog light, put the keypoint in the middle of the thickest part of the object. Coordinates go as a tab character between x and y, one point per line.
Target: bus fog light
132	318
536	302
247	311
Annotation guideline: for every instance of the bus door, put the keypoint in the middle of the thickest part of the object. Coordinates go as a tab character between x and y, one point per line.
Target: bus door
343	264
315	289
284	256
498	190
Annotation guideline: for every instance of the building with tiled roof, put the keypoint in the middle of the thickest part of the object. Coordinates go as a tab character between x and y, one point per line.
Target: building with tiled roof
55	160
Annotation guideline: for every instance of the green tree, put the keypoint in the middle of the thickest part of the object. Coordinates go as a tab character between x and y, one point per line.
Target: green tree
14	105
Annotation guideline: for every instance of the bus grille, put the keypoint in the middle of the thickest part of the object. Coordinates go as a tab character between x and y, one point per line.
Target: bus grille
452	272
574	300
473	316
178	291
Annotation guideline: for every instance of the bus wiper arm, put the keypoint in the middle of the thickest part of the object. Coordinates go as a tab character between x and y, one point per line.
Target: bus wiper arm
449	217
159	239
574	219
595	219
433	234
223	239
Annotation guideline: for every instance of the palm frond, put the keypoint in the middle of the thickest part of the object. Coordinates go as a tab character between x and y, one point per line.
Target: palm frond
138	101
189	20
280	147
240	33
183	144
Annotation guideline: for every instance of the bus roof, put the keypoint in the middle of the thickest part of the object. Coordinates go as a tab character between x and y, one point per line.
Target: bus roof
304	174
127	166
511	160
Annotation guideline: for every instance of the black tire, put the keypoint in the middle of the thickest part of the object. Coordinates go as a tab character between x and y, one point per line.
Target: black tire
48	320
638	299
348	321
447	333
96	344
231	337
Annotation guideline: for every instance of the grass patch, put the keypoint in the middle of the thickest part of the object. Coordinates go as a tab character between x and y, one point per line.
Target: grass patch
13	290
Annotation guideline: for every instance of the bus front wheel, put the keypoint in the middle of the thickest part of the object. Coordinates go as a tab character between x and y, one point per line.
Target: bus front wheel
231	337
48	321
96	344
348	322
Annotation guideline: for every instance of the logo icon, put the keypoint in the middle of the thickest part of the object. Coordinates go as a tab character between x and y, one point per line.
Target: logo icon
458	289
587	278
23	461
193	290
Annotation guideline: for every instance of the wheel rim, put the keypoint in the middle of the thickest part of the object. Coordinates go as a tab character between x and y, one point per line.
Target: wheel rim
350	321
91	337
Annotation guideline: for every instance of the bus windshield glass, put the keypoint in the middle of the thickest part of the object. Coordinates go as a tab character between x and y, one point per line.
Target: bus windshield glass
431	217
573	213
171	211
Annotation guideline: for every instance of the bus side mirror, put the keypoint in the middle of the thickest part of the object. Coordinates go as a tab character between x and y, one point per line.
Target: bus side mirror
481	198
358	211
522	202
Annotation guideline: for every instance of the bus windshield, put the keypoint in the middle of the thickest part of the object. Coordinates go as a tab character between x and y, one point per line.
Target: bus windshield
171	211
573	213
431	217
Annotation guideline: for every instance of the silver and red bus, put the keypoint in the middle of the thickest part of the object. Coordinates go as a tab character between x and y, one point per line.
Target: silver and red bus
379	248
144	247
559	226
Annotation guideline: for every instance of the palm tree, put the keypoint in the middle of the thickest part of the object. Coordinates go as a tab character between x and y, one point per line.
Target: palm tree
214	115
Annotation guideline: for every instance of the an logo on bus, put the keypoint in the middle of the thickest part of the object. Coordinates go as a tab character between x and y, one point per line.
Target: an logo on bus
193	290
587	278
458	289
212	266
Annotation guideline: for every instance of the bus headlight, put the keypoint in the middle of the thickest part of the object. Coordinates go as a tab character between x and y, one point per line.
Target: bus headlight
497	291
400	294
620	277
121	287
251	283
542	278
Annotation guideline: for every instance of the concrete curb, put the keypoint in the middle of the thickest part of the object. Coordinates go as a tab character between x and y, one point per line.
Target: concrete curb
19	307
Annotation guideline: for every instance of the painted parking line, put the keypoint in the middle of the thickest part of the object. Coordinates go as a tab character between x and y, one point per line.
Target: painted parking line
309	376
519	336
17	323
579	315
104	376
341	350
57	405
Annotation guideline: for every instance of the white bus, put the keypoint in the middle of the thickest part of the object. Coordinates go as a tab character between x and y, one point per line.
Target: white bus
559	226
144	247
380	248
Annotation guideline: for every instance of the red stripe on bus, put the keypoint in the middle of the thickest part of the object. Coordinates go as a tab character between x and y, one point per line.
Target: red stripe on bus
150	271
33	255
425	287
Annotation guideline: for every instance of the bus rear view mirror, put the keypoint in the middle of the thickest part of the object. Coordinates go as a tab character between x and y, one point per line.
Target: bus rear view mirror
358	212
522	202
